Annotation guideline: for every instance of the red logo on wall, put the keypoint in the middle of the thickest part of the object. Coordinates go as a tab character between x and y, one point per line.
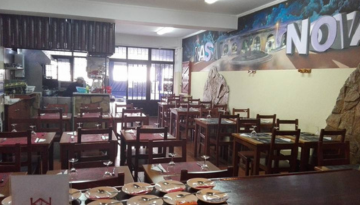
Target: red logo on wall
40	202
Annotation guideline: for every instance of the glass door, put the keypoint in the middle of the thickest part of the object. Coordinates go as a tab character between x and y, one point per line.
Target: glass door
118	79
137	80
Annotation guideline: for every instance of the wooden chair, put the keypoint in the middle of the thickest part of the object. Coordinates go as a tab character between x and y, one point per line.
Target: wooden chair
287	122
163	145
223	108
333	152
22	124
243	113
205	112
82	132
247	125
89	105
53	125
134	164
123	107
129	118
118	180
188	123
64	107
194	101
32	164
11	165
90	122
206	104
84	111
275	161
266	127
166	114
185	98
185	175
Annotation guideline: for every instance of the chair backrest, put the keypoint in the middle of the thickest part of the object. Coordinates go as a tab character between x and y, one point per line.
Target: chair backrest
130	116
92	154
167	146
333	152
287	122
91	110
63	107
247	125
22	124
197	101
185	175
205	112
274	155
185	98
123	107
11	165
139	132
89	105
221	107
181	103
55	125
206	104
14	135
266	126
118	180
242	112
107	131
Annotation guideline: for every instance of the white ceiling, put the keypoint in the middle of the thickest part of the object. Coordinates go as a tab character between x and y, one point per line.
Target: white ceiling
233	7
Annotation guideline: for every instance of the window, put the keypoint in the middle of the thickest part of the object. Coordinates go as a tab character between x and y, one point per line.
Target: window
51	71
162	55
138	53
161	78
120	53
64	69
120	72
80	65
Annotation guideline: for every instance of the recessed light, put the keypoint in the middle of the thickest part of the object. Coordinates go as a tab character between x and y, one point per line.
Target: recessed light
210	1
164	30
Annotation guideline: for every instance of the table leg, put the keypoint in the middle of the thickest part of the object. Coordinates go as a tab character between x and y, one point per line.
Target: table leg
196	139
128	155
207	141
304	158
51	156
64	156
122	152
158	118
177	124
235	158
256	162
171	123
45	160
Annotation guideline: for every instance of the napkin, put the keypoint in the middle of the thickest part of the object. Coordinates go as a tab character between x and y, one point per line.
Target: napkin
103	137
38	140
328	138
286	140
129	131
63	172
71	133
158	168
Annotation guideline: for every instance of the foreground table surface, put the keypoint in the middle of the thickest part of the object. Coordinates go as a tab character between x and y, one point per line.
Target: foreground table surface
338	167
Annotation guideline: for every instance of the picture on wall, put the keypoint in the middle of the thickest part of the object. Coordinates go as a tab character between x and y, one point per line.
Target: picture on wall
301	34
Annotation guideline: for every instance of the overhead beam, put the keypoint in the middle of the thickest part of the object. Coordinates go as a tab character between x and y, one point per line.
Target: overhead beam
83	9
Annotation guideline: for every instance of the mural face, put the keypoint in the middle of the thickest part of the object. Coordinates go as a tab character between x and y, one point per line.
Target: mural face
292	35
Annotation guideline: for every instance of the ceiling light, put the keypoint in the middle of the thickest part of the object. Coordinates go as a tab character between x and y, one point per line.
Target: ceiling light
164	30
210	1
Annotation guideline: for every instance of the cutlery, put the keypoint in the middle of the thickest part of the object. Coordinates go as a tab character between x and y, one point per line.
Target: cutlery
162	170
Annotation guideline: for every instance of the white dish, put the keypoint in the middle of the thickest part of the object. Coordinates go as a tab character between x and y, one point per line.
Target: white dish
200	183
6	201
173	198
212	196
137	188
104	192
102	201
140	200
74	194
169	186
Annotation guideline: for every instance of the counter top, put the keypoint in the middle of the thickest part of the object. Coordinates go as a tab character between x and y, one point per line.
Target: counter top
91	94
12	103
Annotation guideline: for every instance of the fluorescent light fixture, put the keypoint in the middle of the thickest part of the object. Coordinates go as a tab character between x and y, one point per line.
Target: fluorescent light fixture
210	1
164	30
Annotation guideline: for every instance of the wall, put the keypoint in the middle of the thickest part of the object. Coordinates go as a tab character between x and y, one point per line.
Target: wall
156	42
287	93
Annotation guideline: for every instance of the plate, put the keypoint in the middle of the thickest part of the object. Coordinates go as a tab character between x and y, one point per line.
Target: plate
139	200
104	192
212	196
169	186
200	183
74	194
173	198
102	201
6	201
137	188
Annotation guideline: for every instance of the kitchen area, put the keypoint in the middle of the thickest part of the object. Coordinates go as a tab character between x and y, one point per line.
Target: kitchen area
42	57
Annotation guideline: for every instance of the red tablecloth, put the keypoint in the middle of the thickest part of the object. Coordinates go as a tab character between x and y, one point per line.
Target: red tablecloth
22	140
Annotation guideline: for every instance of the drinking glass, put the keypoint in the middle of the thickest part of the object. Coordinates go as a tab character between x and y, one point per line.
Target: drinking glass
32	130
204	166
253	133
209	115
72	161
13	128
157	124
107	163
172	155
98	126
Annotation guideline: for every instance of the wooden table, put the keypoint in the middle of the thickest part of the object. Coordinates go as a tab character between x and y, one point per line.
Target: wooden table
88	174
45	148
117	118
48	117
258	145
66	141
338	167
162	107
207	124
175	115
128	138
152	176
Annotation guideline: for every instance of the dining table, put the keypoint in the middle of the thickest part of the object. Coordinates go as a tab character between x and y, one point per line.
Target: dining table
69	138
42	143
118	118
128	138
172	172
48	117
179	113
207	124
338	167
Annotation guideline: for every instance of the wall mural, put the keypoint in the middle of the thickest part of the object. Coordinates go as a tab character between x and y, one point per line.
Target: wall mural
296	34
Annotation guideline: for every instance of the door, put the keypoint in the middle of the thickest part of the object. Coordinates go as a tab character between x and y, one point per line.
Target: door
118	79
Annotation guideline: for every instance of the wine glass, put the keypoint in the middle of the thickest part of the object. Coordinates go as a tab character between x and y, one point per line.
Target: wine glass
98	126
253	133
107	163
72	161
209	115
204	166
172	155
13	128
79	125
32	130
157	124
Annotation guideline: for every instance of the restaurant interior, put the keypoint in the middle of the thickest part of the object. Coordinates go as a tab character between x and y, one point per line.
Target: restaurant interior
179	102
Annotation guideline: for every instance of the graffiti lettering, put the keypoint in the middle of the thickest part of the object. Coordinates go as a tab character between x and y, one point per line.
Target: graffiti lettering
205	53
294	39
